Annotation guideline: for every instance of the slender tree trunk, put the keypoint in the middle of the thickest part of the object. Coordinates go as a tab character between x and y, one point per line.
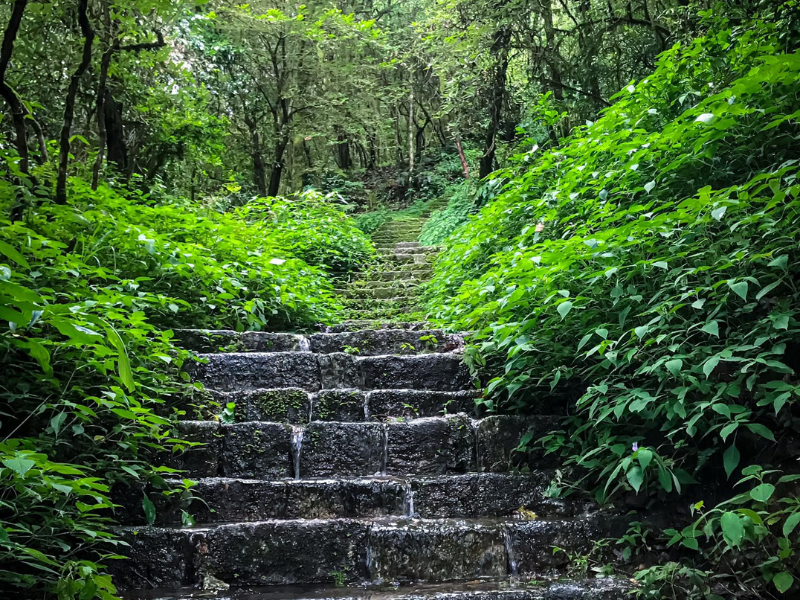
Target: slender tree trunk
9	95
69	105
115	134
502	38
277	167
462	156
259	169
411	131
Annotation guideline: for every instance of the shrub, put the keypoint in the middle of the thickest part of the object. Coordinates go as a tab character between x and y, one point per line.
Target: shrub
659	289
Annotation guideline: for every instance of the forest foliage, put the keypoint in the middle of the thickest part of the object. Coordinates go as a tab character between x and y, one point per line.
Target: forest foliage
646	271
169	165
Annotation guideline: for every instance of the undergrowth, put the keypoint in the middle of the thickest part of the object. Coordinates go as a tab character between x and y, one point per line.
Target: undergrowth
646	272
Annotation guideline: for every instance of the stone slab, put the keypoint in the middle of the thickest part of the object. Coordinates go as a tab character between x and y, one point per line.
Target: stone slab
430	446
257	449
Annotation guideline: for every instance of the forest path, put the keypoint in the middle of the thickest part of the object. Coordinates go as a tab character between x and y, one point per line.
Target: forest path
354	464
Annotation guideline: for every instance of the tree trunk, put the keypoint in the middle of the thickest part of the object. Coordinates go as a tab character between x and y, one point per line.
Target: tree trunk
9	95
502	38
259	169
115	133
462	156
277	167
69	105
343	157
411	131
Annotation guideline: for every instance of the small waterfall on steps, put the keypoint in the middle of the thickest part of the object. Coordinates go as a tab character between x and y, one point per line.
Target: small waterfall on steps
513	568
408	501
303	343
297	446
385	459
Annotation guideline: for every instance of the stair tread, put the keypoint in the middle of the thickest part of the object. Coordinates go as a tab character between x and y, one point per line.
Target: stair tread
500	589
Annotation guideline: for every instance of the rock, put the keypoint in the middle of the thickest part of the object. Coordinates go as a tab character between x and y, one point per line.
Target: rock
257	449
157	558
284	405
326	499
197	461
499	436
428	371
341	449
419	403
339	405
284	552
436	551
430	446
254	370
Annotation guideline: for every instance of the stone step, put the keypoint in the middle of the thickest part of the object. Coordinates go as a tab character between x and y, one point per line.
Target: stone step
426	446
298	406
311	371
381	293
274	552
353	325
415	258
228	500
368	342
417	274
510	588
411	250
361	308
395	302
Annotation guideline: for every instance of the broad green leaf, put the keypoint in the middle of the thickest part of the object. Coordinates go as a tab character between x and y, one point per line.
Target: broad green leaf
790	524
13	254
149	510
674	366
762	492
761	430
710	365
783	581
564	308
648	187
712	328
124	364
730	460
732	528
19	465
645	457
739	288
635	477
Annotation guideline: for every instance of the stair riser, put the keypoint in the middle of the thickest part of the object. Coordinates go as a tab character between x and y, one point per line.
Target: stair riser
301	552
225	500
368	342
427	446
416	275
388	293
312	372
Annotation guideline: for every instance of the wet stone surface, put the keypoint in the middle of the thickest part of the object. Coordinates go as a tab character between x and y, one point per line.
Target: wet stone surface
254	370
257	449
430	446
197	461
339	405
386	341
159	557
436	551
284	552
432	372
533	541
341	449
419	403
479	494
498	436
353	498
285	405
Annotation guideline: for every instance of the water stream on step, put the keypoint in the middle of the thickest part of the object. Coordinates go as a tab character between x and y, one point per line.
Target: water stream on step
297	446
385	459
512	559
366	407
408	501
303	343
474	424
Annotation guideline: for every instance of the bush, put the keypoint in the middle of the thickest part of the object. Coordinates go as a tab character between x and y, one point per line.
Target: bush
445	221
314	229
659	290
89	294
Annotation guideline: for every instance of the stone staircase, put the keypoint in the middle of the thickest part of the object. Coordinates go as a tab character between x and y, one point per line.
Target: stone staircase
353	464
390	288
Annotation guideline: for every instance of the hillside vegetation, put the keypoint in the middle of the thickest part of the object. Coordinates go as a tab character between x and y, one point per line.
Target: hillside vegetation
646	271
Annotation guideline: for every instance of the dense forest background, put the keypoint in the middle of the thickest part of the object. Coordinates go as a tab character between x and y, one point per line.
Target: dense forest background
616	184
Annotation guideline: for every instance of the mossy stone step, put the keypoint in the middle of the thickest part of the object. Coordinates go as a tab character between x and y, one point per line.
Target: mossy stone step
353	291
391	549
228	500
430	446
417	274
